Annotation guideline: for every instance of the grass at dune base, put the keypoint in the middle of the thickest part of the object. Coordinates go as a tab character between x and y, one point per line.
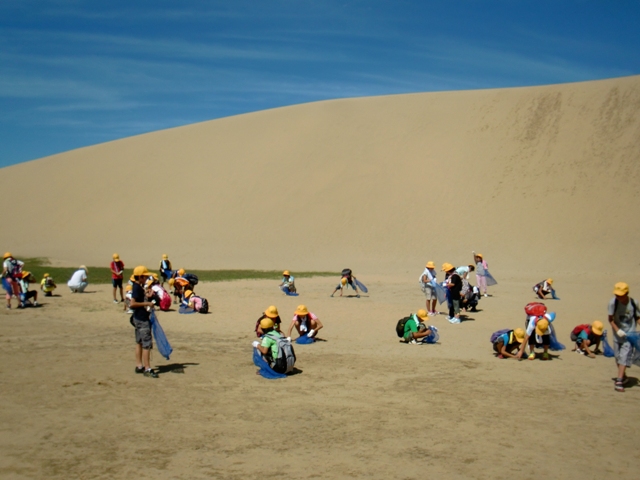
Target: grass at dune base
101	275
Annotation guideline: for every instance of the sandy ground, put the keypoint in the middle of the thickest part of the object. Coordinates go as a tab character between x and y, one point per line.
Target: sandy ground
364	405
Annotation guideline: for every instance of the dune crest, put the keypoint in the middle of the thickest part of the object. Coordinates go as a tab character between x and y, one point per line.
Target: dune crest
543	178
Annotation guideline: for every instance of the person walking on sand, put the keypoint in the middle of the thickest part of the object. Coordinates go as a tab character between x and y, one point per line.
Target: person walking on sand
623	317
141	320
427	279
481	267
79	280
117	270
11	273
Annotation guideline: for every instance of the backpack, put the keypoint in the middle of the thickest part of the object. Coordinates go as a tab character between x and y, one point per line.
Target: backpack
535	309
286	358
400	326
633	304
576	331
191	278
498	334
205	306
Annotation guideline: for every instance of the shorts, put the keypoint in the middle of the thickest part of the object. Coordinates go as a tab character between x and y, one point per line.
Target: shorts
143	333
624	353
456	306
116	282
546	340
429	291
30	294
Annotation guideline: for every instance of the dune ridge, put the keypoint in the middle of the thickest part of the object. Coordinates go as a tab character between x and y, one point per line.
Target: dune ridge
542	178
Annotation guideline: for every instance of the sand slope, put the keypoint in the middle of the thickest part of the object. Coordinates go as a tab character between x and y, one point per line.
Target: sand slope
545	178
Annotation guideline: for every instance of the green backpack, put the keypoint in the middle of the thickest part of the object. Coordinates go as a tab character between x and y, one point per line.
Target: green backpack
400	325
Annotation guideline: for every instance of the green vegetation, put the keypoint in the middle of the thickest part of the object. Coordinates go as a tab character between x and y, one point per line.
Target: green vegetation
101	275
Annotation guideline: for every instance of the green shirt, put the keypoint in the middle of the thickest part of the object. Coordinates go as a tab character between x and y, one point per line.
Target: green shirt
268	342
411	325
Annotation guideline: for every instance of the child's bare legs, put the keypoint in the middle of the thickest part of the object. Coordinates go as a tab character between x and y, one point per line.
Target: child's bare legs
433	306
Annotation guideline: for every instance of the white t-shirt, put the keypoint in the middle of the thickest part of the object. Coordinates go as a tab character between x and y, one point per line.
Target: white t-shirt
533	321
430	275
77	278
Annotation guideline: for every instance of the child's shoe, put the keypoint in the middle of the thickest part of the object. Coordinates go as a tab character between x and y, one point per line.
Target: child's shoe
545	356
619	385
532	356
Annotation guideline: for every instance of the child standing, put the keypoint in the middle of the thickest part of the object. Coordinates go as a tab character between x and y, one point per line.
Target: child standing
117	269
623	317
427	279
481	267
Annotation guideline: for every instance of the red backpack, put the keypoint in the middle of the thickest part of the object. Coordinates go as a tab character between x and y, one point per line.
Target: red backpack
585	327
535	309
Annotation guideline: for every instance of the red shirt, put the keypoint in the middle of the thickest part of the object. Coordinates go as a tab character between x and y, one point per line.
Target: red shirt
118	267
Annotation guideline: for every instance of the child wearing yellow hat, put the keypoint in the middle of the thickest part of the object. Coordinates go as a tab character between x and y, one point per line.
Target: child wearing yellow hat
346	278
544	288
272	313
586	335
166	271
481	269
538	333
305	322
508	342
426	280
47	285
11	273
117	271
623	318
288	282
414	328
454	284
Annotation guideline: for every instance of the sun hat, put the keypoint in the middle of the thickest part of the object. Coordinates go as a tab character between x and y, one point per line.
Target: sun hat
181	272
430	264
620	289
446	267
266	323
286	272
132	278
188	293
519	334
479	255
25	274
550	281
302	310
272	312
46	275
541	326
141	271
116	256
7	255
343	281
597	327
128	287
82	267
422	314
155	276
172	281
165	256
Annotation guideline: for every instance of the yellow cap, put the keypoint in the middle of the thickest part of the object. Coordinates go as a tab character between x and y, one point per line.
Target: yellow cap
172	281
25	274
550	281
132	278
141	271
422	314
430	264
302	310
286	272
128	287
447	267
82	267
541	326
188	293
271	312
181	272
343	281
46	275
479	255
519	334
165	256
116	256
620	289
597	327
7	255
266	323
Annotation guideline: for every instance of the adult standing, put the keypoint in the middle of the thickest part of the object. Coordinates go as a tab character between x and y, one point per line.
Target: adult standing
141	320
117	269
481	270
79	280
11	273
623	317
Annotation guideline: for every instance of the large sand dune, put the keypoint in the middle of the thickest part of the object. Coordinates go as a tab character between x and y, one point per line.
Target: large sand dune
544	178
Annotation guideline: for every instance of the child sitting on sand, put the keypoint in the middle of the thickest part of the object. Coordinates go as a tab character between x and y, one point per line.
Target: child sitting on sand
586	335
505	344
544	288
415	329
538	333
288	282
272	314
25	294
47	285
268	347
305	322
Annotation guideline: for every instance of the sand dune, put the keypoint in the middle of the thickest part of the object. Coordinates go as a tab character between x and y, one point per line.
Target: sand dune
543	178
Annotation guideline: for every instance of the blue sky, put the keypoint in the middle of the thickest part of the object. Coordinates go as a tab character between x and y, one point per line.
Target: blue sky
77	73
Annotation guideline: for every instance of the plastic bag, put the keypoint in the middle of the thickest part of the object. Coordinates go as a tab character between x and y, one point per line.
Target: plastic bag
490	280
434	337
186	309
305	339
264	369
553	294
607	350
555	345
161	340
441	292
288	292
361	286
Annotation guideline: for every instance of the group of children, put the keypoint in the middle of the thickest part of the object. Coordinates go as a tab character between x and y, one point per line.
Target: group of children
16	283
